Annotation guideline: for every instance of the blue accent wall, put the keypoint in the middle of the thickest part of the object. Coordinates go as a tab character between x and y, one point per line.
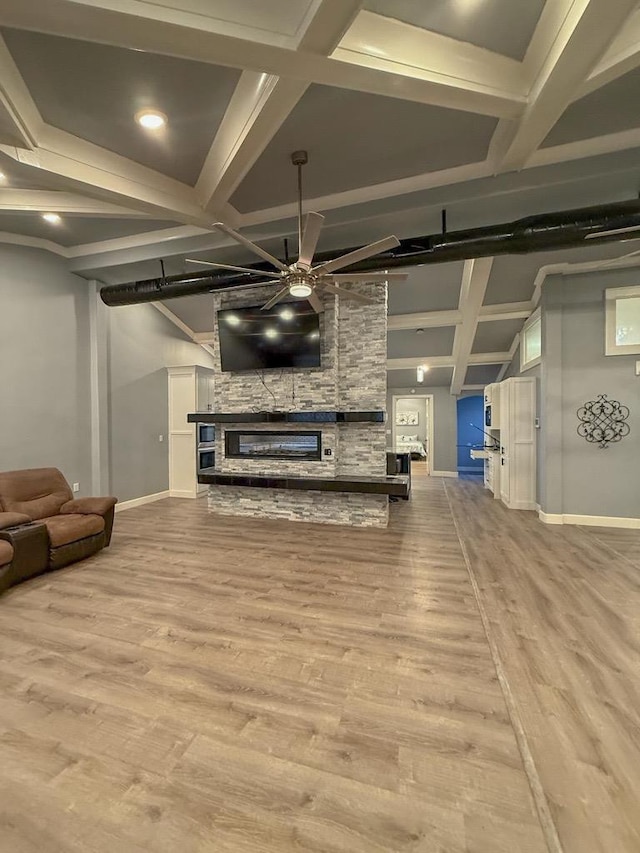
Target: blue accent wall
470	411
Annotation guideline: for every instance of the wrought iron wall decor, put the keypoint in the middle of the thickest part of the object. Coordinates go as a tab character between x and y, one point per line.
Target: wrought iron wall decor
603	421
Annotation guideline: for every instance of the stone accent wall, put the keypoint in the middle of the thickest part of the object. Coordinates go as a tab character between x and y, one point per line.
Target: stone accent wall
362	450
362	351
315	507
352	377
313	388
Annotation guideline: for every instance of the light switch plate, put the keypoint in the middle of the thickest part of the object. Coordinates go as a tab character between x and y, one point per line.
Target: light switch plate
637	368
76	487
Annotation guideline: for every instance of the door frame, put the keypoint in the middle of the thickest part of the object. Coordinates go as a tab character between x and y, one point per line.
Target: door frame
428	398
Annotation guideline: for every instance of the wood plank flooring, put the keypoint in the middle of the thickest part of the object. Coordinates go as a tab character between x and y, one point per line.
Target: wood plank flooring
563	612
210	684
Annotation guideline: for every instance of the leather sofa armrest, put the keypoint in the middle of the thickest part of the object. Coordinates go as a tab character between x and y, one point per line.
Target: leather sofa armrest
89	506
11	519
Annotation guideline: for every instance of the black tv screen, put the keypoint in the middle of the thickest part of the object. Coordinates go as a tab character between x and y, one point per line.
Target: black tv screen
287	335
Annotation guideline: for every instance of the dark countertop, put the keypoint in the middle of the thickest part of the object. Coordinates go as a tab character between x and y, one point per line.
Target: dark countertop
397	486
329	417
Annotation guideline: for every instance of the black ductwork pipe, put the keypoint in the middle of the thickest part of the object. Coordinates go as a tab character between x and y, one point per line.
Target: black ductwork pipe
544	232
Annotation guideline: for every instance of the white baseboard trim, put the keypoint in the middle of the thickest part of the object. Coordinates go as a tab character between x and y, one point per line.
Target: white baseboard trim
477	469
589	520
145	499
183	493
444	473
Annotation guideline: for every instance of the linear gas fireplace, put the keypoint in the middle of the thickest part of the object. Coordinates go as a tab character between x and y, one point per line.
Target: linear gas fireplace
302	446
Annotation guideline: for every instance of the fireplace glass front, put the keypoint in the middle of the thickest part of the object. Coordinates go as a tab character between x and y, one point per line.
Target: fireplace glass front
302	446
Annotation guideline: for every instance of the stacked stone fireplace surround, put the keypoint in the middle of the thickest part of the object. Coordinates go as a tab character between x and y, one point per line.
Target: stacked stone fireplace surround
352	377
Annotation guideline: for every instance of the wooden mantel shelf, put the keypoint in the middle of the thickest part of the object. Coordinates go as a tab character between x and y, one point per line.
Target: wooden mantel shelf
285	417
397	486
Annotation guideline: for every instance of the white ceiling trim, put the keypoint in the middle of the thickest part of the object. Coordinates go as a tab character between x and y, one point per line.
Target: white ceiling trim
512	351
623	56
261	103
588	29
439	319
446	360
21	200
374	192
619	141
475	278
142	26
33	243
471	78
17	100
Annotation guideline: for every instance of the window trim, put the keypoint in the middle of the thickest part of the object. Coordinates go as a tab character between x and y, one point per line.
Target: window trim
611	296
533	320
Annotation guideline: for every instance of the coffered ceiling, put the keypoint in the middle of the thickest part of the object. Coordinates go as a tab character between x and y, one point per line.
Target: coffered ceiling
492	109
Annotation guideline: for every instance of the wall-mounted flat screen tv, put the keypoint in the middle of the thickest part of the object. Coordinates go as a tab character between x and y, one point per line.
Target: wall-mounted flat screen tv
287	335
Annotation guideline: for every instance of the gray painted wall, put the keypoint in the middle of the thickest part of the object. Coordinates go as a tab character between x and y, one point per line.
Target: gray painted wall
445	425
44	353
579	478
45	383
141	344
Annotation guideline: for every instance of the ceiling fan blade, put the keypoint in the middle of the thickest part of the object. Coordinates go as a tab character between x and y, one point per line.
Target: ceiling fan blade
232	287
349	294
279	295
315	302
370	276
251	246
310	234
359	255
231	267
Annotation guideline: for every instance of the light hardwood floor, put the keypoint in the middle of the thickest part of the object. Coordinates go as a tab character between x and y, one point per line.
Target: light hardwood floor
214	684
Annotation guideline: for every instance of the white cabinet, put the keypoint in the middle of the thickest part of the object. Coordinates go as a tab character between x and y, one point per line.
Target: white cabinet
492	471
190	390
518	443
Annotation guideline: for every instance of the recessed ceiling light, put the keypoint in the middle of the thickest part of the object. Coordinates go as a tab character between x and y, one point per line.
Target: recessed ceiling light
52	218
233	319
151	119
3	177
271	333
286	314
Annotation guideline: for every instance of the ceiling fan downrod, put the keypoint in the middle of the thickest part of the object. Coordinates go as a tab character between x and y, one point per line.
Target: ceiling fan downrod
300	159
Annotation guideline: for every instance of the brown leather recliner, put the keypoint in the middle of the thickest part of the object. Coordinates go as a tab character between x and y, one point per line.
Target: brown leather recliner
76	528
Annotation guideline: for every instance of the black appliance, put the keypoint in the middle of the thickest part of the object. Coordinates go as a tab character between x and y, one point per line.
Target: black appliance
287	335
206	433
206	458
487	415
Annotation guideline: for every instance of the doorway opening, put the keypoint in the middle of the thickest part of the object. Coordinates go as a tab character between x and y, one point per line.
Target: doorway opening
412	430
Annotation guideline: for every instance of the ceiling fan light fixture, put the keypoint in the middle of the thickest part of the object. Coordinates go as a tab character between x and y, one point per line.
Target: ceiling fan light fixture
300	289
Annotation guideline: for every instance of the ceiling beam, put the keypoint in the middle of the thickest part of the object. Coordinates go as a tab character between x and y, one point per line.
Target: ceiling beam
505	311
16	99
623	56
436	319
259	106
379	42
158	29
28	201
515	343
586	32
446	360
80	166
423	320
475	277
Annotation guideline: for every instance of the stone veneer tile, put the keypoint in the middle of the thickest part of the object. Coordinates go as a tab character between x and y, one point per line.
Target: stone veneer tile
317	507
352	377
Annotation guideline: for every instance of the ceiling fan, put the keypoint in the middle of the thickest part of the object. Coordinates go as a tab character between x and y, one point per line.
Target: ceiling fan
301	279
